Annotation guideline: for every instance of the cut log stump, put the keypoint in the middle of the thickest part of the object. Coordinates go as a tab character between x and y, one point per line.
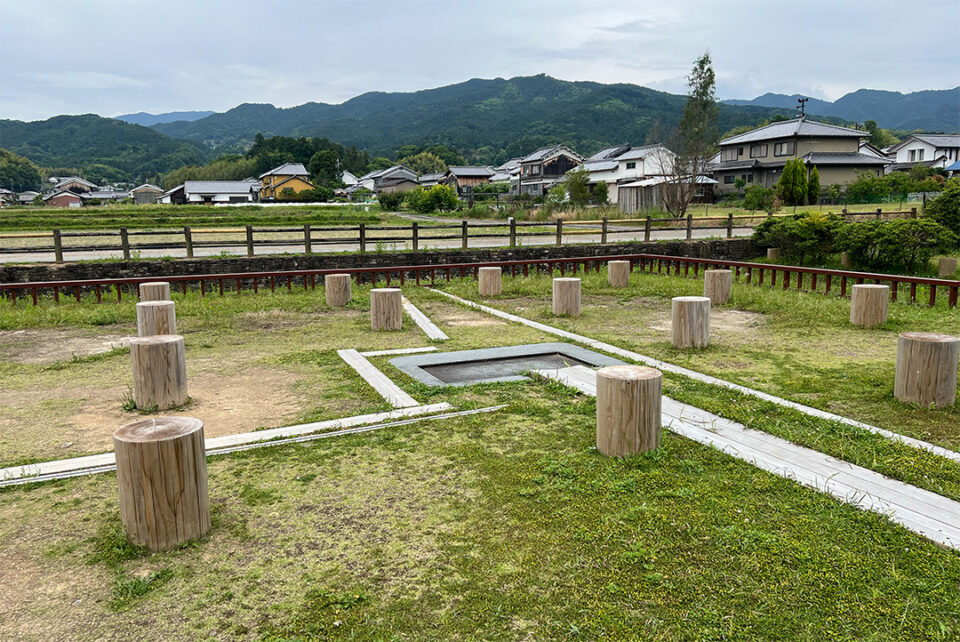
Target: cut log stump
717	285
566	296
490	281
618	273
386	309
338	289
159	371
156	317
773	254
868	304
155	291
927	369
691	321
162	478
628	410
947	267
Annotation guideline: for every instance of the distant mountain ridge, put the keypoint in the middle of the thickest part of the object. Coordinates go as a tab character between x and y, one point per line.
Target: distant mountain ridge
486	119
936	110
147	119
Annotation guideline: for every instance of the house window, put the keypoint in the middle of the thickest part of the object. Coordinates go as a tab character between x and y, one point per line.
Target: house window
749	178
758	151
729	154
783	149
739	151
728	179
632	165
919	154
913	155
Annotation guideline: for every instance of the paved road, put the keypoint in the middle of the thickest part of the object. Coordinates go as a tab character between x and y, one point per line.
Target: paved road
616	233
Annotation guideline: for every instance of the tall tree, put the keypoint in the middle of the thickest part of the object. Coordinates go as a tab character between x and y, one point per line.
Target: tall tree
695	137
813	186
424	163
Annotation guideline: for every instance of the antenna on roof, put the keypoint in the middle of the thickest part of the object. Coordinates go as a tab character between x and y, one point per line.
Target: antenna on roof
803	106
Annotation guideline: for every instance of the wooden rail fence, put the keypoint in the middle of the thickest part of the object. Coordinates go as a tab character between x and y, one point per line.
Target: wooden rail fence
838	282
361	237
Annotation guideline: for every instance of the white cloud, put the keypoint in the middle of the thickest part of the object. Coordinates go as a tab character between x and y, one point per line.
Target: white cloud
75	79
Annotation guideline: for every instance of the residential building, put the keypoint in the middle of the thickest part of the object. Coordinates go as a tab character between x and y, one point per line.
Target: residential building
930	150
63	198
146	193
393	179
348	179
73	183
758	156
622	164
953	170
648	193
429	180
507	172
212	192
464	179
106	193
288	178
26	198
544	168
7	196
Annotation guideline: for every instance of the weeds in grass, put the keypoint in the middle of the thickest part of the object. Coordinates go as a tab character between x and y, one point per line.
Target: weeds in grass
127	590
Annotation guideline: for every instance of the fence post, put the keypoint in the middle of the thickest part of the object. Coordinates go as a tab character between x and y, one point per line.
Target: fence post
730	225
363	237
559	231
463	234
513	231
646	229
188	241
125	244
307	239
57	247
249	240
415	237
879	213
689	226
603	231
913	212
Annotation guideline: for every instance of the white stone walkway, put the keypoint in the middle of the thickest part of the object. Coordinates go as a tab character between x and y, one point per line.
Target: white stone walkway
921	511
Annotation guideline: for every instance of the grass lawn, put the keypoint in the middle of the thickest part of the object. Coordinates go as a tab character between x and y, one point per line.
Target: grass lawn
500	526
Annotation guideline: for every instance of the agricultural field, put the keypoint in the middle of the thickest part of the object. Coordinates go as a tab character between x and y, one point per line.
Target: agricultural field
507	525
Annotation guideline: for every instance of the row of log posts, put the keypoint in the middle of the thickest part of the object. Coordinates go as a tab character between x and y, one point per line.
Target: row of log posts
157	355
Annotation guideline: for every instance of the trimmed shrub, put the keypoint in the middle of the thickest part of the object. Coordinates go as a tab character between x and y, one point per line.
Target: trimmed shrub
800	236
902	243
945	209
391	200
426	200
758	197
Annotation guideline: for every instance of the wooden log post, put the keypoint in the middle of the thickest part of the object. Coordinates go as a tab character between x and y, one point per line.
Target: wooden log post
618	273
159	371
566	296
691	322
155	291
868	304
490	281
717	285
927	369
773	254
162	479
947	267
156	317
628	410
845	262
338	289
386	309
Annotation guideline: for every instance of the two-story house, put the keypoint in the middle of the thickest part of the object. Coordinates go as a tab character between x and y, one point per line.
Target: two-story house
622	164
393	179
930	150
544	168
464	179
758	156
289	176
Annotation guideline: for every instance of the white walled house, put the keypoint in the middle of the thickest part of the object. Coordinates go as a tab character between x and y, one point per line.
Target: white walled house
621	164
930	150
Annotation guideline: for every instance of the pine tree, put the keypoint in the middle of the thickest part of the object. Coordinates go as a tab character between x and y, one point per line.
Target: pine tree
799	182
813	186
785	184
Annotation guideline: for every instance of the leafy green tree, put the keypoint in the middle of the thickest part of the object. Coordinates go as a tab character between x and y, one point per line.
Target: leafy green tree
739	183
555	197
868	188
599	195
898	244
424	163
813	186
879	138
427	200
324	168
577	185
800	236
792	186
17	173
390	201
945	208
378	163
758	197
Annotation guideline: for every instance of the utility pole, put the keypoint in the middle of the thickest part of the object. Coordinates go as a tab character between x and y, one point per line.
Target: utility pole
803	106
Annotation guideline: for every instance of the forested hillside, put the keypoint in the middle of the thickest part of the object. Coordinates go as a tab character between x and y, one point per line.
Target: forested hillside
111	149
486	120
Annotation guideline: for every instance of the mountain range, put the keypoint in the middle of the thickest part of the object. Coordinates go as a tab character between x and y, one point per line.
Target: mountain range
932	111
147	119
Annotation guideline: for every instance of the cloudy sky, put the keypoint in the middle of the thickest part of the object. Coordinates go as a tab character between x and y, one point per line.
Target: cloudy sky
117	56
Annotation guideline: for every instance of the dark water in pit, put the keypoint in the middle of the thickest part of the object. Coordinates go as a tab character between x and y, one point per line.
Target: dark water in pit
467	371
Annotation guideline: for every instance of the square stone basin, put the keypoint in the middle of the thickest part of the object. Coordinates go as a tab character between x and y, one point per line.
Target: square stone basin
466	367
